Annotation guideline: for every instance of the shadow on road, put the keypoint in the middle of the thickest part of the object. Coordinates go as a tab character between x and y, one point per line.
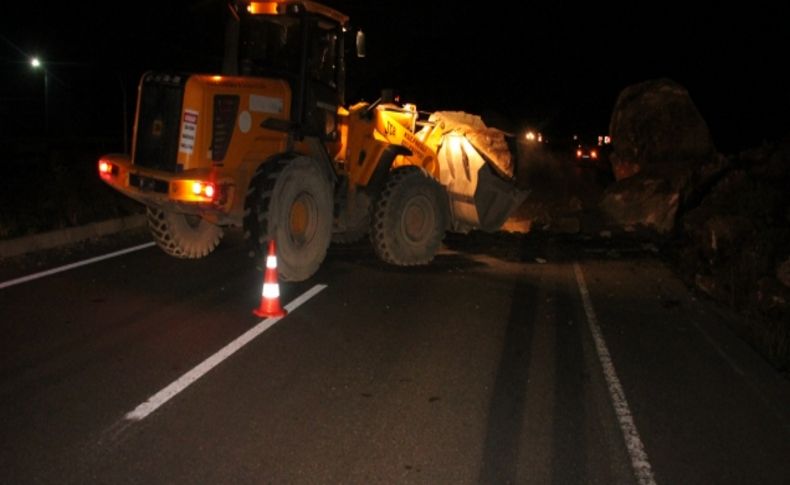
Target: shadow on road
508	401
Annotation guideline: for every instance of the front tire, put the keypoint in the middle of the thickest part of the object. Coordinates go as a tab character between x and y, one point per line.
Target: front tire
181	235
290	201
409	218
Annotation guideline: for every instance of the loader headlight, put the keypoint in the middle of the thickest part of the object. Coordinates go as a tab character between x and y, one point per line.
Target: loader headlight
107	169
203	189
196	191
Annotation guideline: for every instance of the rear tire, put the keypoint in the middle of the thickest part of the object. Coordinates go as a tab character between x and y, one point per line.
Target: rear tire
182	235
290	201
409	218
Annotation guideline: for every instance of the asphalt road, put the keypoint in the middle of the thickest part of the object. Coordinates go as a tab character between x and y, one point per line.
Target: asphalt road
509	360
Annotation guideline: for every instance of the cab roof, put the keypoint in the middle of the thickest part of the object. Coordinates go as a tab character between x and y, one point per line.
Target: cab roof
274	7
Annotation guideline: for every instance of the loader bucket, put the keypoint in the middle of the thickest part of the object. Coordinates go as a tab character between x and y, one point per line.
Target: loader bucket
481	196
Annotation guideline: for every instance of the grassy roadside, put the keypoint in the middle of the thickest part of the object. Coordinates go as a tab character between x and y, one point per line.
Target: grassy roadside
53	184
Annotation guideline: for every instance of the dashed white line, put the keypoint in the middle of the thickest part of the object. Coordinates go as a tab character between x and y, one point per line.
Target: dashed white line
171	390
636	450
25	279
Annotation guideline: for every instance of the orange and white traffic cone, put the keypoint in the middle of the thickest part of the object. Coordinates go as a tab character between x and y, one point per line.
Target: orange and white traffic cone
270	297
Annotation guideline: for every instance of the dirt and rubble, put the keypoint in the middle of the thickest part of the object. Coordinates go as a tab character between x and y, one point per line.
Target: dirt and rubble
735	245
721	220
51	184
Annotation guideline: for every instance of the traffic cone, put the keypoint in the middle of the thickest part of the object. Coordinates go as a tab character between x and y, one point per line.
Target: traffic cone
270	297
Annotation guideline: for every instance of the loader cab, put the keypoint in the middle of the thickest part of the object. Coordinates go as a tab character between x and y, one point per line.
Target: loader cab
301	42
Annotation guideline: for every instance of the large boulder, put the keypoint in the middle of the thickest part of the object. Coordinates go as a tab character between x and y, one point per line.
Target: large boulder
663	156
783	272
656	123
644	201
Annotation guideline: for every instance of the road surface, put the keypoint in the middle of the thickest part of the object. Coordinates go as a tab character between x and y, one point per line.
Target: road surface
511	359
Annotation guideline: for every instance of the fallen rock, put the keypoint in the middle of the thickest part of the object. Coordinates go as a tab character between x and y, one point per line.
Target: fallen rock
707	284
722	235
488	141
664	159
734	244
655	123
771	296
772	335
567	225
783	272
644	200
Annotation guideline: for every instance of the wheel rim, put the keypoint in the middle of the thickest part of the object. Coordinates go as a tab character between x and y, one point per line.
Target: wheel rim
302	219
418	219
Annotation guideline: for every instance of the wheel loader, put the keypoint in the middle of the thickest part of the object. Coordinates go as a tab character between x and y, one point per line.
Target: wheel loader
269	145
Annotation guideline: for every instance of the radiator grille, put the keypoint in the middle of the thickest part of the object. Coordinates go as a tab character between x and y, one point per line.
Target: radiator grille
161	99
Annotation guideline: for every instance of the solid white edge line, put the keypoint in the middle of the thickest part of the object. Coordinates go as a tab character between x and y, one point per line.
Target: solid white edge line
25	279
171	390
636	450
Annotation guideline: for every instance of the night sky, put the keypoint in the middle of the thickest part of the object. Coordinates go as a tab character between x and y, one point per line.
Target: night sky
551	66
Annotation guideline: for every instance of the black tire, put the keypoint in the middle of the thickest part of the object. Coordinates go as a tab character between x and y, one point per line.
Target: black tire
182	235
409	218
290	201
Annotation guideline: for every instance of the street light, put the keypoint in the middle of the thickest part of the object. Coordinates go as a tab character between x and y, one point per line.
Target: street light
36	63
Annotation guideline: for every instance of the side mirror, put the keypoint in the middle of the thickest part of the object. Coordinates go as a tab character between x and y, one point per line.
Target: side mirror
360	43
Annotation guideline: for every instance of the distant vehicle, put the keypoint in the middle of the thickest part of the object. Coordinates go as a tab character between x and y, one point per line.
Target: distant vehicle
586	152
532	136
595	154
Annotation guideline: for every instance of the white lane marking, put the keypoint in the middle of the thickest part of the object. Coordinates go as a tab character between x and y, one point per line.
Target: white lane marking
25	279
636	450
171	390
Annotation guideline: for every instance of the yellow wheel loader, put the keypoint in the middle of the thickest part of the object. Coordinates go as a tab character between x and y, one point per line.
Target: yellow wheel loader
269	145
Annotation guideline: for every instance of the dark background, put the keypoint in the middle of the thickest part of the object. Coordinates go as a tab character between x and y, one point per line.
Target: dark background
552	66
